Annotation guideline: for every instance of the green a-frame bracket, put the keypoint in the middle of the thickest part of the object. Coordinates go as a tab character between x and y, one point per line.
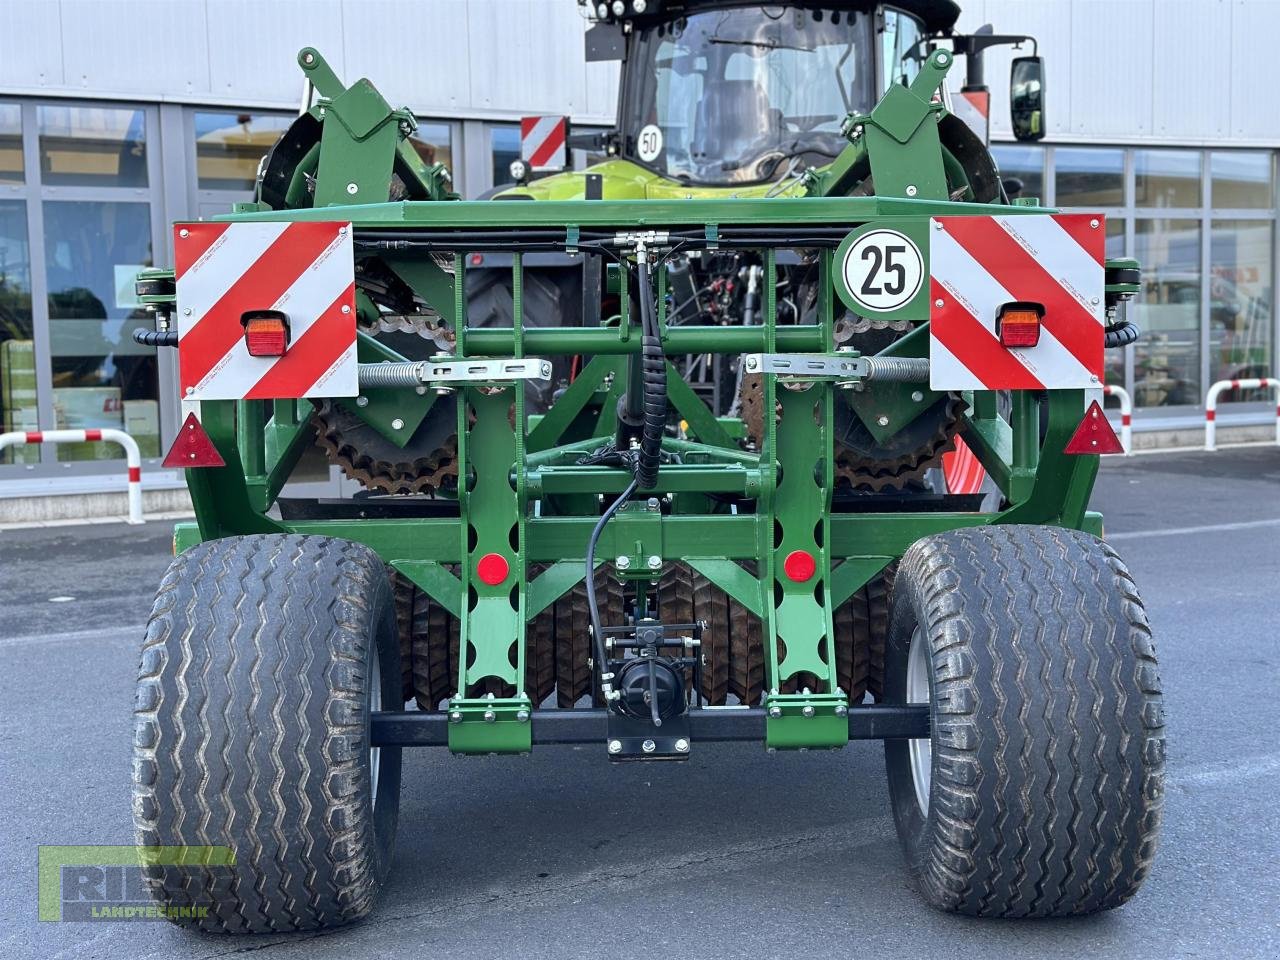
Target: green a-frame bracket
493	578
793	536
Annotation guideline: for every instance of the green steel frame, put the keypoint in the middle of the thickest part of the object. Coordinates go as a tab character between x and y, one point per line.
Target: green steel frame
510	462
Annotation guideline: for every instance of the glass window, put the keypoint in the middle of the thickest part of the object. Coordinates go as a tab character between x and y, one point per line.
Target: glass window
1024	165
1114	359
900	47
101	378
1085	177
230	145
504	142
434	143
92	146
1241	299
588	158
17	349
1167	357
1241	180
1166	178
733	97
10	143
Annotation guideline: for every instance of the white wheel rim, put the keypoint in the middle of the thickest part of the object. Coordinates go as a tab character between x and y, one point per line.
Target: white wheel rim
375	753
920	748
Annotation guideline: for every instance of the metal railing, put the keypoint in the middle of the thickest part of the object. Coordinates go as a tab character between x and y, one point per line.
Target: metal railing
1211	404
1126	415
133	458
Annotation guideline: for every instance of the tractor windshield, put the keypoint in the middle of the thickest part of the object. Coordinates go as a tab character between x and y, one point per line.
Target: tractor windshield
745	94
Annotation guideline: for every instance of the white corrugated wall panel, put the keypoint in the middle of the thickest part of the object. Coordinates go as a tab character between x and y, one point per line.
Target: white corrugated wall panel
1190	60
1117	70
602	91
30	44
530	57
1255	26
1111	81
253	46
137	47
417	55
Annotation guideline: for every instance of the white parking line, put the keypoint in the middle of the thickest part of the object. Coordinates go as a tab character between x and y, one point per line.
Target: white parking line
1208	528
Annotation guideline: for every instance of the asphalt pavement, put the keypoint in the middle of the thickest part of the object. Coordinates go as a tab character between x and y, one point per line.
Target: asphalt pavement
734	854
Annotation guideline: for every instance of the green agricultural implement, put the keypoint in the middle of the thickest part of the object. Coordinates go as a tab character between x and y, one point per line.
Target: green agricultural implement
687	494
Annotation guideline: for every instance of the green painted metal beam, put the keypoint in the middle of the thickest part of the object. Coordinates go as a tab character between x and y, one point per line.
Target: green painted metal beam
568	341
732	478
634	214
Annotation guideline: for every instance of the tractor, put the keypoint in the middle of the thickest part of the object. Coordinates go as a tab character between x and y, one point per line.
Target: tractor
645	457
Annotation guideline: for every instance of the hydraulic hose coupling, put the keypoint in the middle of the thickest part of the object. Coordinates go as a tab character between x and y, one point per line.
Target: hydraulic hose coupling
155	338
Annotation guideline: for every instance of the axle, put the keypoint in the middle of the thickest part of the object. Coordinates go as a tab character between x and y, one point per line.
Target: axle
870	722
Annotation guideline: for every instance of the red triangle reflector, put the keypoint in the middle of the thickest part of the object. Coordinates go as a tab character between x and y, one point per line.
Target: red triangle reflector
193	448
1094	435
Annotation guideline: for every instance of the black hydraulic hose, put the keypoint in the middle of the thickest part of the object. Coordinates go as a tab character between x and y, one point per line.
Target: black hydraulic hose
1122	334
655	412
645	474
155	338
655	389
597	629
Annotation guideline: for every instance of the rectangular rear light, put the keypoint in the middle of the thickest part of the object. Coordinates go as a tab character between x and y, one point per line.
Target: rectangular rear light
1019	324
266	333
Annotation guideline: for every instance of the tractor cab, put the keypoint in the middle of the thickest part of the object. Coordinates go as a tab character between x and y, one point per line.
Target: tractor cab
732	96
722	96
743	97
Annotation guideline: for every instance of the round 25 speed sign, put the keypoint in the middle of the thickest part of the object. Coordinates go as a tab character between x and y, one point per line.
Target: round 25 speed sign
882	271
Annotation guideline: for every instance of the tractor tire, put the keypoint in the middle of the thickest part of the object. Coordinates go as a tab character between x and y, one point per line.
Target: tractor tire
412	606
263	658
711	606
434	658
574	674
851	656
1039	790
540	658
871	625
746	652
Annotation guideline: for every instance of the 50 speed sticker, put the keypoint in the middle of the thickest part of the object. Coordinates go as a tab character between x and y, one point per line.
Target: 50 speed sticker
649	143
882	271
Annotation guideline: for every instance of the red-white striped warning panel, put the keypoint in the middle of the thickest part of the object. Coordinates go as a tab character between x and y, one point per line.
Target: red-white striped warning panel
977	265
304	270
544	142
974	108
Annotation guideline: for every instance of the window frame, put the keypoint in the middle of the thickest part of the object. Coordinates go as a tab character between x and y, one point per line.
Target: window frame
35	193
1205	214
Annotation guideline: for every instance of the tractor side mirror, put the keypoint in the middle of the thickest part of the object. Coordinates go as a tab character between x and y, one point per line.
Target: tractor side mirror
1026	98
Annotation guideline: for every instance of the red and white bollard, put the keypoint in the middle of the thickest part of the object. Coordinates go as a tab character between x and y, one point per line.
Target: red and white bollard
132	456
1126	415
1211	404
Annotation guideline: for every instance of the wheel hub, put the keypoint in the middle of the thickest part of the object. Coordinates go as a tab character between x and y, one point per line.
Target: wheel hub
920	749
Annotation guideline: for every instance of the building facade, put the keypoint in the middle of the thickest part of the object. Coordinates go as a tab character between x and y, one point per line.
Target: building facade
118	117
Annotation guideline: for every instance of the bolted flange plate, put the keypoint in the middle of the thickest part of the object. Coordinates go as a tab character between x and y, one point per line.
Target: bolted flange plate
480	726
795	721
631	739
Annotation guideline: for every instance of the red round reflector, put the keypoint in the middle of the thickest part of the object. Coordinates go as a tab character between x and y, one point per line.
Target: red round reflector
477	259
492	568
799	565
